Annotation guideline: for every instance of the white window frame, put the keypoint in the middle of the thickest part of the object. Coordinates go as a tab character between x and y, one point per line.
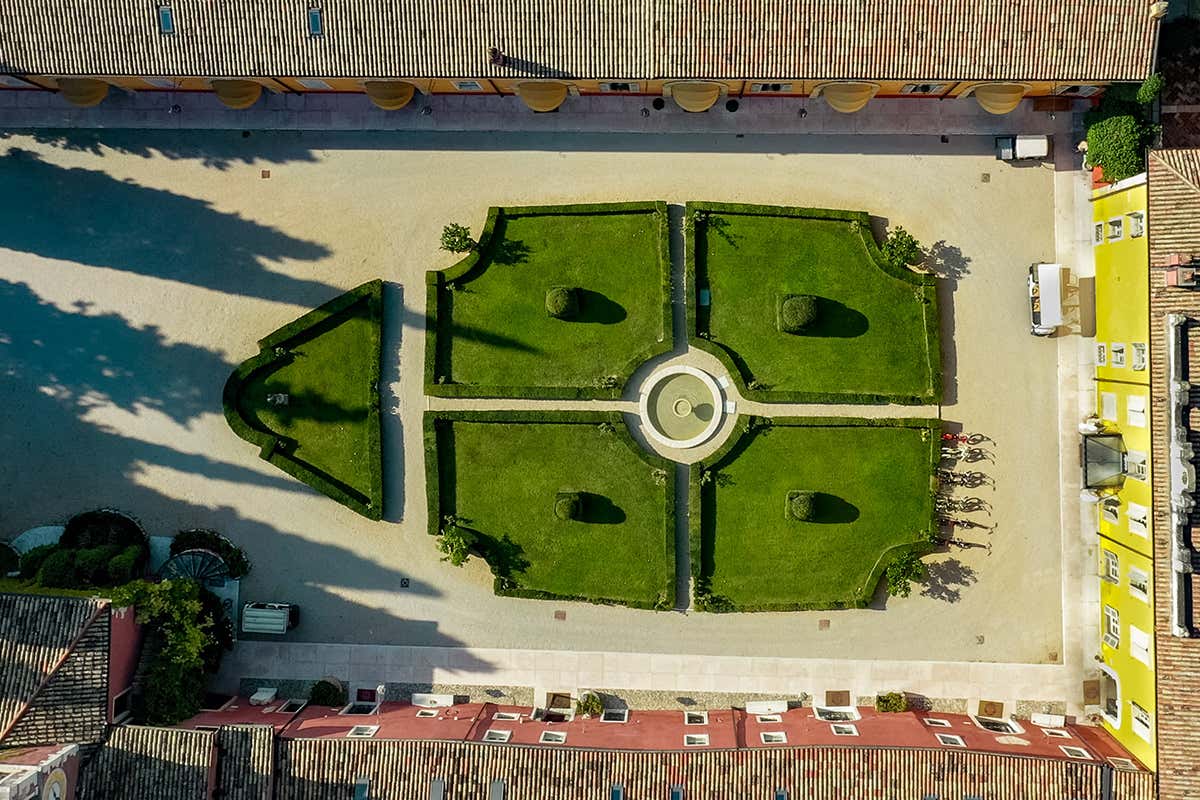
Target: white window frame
1112	675
346	710
497	735
615	716
1075	752
1117	354
362	732
1115	229
506	716
701	715
1110	510
1101	354
1112	627
695	740
165	13
1139	645
844	729
553	737
768	718
1137	224
1123	763
773	737
1056	733
1141	356
314	14
764	87
461	86
1139	576
935	722
1143	728
428	713
1098	234
950	740
634	87
1139	519
822	713
1014	727
127	713
1112	565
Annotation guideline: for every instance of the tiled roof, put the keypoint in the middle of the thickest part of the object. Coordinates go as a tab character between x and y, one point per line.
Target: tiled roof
54	680
247	761
315	769
139	762
1174	227
1062	40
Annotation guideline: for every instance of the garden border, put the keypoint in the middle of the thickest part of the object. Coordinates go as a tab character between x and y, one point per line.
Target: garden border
370	506
746	432
727	356
433	488
437	296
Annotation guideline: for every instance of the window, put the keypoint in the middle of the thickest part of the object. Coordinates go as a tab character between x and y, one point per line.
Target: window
1140	356
619	87
314	83
836	713
950	740
1110	510
1110	696
618	792
1117	355
166	20
1112	627
1141	720
1070	751
1112	567
615	715
160	83
316	23
122	705
1138	515
1098	233
553	737
1137	224
1101	354
360	708
1135	410
770	88
1139	644
1122	763
769	718
844	730
695	740
695	718
292	706
468	86
923	88
1136	466
1056	733
362	732
1116	228
773	737
429	713
1078	90
497	735
998	725
933	722
504	716
1108	406
1139	584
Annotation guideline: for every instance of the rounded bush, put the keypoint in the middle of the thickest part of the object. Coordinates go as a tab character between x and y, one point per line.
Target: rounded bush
797	312
891	703
99	528
562	302
92	564
32	560
58	570
126	566
801	506
326	693
568	505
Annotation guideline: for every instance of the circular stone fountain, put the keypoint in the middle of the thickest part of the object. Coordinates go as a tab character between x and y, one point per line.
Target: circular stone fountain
682	408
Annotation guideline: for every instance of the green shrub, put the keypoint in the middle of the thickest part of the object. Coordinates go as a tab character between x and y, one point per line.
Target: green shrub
796	312
568	505
32	560
590	704
902	572
457	238
1117	145
456	542
801	505
173	692
98	528
562	302
203	539
9	560
220	630
1150	89
324	693
58	570
901	249
126	565
891	703
92	564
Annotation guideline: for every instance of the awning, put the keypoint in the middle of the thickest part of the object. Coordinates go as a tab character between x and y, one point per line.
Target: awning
1000	98
389	95
1103	461
695	96
237	94
543	95
847	96
82	92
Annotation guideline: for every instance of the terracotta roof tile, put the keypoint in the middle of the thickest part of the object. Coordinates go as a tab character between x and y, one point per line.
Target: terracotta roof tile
139	762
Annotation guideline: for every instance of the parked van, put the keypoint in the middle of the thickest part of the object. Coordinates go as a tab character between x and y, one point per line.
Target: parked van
277	618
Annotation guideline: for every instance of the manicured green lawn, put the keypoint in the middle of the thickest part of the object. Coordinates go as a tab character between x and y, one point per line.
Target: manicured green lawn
499	332
328	431
870	337
874	485
502	479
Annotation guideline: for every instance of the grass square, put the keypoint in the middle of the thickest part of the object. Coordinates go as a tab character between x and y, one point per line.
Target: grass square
502	477
872	481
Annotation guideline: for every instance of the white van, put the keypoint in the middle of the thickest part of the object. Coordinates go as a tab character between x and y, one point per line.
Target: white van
277	618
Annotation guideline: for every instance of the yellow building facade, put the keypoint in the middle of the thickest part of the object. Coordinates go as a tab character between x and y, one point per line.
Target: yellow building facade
1118	466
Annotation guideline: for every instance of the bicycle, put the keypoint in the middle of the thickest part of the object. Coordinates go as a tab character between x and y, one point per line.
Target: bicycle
965	438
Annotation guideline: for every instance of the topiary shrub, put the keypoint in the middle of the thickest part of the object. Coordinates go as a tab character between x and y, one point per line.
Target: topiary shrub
568	505
801	505
92	564
901	249
324	693
32	560
99	528
58	570
901	574
891	703
796	312
562	302
1150	89
204	539
126	565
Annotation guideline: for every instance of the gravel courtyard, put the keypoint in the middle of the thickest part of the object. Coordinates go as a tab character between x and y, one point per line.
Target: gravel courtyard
138	268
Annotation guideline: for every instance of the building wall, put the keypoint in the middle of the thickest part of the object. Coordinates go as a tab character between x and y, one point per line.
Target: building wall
124	650
1124	521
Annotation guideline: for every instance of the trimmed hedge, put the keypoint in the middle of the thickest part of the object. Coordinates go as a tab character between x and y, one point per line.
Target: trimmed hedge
796	312
562	302
32	560
104	526
801	505
437	303
58	570
437	421
740	372
741	439
568	505
275	449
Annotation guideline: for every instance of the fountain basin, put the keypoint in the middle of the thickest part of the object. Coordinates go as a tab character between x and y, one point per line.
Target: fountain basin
682	407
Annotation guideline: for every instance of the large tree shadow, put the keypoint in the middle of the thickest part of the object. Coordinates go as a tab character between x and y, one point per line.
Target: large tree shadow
945	580
88	217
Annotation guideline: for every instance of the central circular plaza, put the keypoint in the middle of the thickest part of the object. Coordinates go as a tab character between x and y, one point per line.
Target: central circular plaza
682	407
